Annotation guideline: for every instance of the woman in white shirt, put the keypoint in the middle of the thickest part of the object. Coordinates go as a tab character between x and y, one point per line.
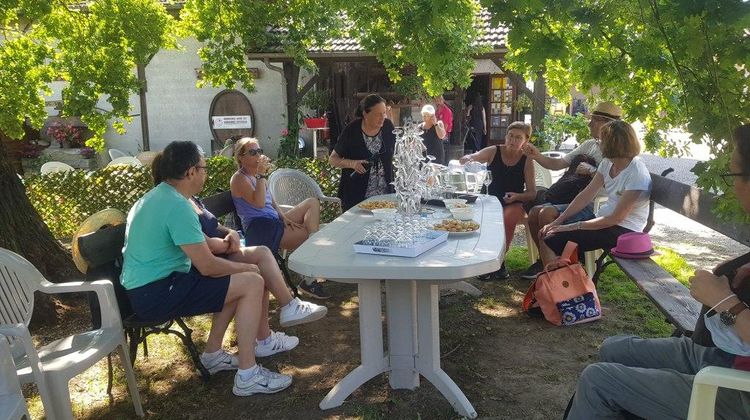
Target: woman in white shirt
627	183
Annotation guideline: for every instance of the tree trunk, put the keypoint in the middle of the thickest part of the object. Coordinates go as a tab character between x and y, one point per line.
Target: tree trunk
23	231
539	102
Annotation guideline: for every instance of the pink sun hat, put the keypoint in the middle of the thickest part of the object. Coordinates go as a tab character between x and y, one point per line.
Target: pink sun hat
634	245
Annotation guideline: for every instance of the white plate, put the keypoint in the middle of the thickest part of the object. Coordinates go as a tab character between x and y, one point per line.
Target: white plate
452	234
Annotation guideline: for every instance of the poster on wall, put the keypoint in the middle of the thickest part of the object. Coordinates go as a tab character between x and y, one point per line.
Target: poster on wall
230	122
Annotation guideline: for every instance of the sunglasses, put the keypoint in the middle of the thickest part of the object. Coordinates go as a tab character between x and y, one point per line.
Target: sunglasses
252	152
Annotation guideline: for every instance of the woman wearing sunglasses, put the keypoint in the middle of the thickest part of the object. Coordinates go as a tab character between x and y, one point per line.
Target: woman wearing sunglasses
263	221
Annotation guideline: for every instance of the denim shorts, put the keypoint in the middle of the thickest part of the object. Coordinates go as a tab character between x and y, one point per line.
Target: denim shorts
586	214
179	294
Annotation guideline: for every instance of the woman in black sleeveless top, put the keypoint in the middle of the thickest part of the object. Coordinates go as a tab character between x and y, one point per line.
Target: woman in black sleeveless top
433	135
513	180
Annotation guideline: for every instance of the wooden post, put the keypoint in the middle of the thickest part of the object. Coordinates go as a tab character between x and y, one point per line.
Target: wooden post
141	70
291	75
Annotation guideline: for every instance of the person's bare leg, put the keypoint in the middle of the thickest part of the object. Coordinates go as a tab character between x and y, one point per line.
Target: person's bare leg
534	224
293	237
306	213
548	213
219	324
269	269
264	329
511	215
243	300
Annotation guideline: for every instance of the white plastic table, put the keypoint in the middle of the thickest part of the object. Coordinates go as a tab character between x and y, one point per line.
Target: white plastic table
411	286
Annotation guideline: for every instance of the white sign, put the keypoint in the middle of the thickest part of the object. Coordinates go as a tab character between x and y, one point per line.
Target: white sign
227	122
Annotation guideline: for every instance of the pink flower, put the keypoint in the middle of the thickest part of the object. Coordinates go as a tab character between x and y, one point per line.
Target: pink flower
285	132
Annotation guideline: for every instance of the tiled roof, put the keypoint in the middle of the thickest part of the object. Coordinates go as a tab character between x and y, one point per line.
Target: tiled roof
492	36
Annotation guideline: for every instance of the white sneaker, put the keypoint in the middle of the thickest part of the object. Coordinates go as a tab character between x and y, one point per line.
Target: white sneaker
277	342
262	382
299	312
224	361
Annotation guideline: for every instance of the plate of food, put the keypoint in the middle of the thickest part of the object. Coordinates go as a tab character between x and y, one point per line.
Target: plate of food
457	227
377	204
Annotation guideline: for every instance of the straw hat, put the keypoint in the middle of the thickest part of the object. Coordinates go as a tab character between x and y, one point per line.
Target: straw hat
98	220
607	110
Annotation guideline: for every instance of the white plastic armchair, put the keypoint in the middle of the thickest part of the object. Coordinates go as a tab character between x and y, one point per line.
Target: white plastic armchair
53	365
12	403
125	160
51	167
705	385
290	187
114	154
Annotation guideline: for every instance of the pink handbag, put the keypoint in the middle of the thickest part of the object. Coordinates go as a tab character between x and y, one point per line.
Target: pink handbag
564	292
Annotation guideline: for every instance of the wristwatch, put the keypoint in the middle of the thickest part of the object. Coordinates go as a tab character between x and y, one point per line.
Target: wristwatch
261	176
729	317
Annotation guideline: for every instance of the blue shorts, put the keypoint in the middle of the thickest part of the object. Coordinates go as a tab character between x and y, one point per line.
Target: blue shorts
179	294
266	231
586	214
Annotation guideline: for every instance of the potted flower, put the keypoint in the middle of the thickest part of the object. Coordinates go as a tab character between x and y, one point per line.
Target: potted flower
87	152
67	135
317	101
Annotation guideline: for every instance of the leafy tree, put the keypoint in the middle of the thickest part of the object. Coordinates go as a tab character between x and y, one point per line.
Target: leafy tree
93	48
435	38
669	63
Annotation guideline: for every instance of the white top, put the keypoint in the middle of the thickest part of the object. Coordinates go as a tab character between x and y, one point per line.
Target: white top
589	147
635	177
330	254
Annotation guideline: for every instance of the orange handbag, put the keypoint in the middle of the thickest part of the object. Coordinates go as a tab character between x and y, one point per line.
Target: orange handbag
564	292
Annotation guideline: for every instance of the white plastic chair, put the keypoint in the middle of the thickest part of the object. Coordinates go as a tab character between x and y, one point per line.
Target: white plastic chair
125	160
290	187
62	359
12	403
51	167
114	154
705	385
146	157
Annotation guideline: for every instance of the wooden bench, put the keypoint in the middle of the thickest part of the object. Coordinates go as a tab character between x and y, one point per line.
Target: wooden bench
670	296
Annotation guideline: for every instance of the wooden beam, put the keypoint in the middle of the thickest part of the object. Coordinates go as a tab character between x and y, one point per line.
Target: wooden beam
310	83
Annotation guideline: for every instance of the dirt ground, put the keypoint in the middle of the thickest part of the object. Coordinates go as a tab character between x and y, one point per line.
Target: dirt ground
509	366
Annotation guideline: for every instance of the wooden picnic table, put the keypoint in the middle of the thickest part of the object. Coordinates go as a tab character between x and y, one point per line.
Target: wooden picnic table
411	286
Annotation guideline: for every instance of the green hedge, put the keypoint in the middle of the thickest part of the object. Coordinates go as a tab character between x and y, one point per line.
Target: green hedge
65	199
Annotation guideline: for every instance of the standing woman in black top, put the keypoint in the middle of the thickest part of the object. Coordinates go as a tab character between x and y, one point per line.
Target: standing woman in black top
513	179
433	135
365	153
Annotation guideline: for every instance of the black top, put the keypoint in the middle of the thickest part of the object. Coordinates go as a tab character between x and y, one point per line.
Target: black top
434	144
506	178
351	145
209	222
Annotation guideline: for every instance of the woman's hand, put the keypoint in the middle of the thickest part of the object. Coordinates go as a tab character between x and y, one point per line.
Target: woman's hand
359	165
549	229
291	224
263	165
463	159
233	239
709	289
511	197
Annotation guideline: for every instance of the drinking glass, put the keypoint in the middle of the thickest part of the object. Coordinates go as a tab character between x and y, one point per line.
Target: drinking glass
487	180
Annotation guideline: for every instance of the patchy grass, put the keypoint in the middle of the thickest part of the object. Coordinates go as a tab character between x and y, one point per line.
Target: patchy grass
504	361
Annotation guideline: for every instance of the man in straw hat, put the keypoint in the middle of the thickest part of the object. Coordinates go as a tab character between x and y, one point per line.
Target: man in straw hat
170	271
542	213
